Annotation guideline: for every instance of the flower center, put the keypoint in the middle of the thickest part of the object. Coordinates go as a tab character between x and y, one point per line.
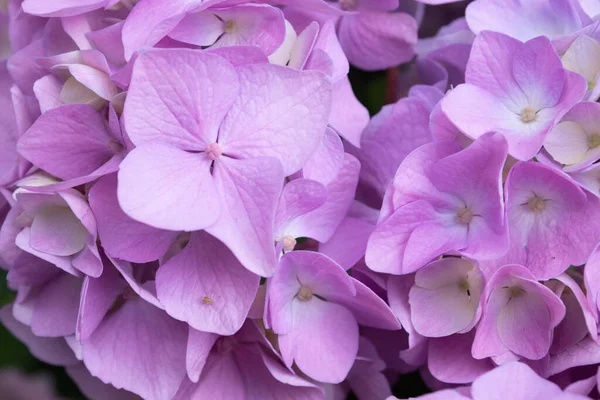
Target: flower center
207	300
464	216
348	5
515	291
305	293
230	26
591	85
213	151
463	284
593	141
536	204
528	114
289	242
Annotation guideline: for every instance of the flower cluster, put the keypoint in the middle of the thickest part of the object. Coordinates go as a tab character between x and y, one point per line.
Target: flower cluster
195	204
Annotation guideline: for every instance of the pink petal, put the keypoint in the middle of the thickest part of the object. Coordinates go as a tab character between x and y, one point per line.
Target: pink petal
280	113
57	231
206	286
184	196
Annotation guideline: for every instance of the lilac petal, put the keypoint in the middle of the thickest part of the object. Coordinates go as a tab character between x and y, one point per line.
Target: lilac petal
121	236
94	388
206	286
255	24
311	269
330	357
368	308
375	40
138	348
586	352
47	91
145	290
248	190
514	381
68	142
173	98
62	262
57	231
537	242
56	307
184	195
152	20
219	368
61	8
524	20
53	351
286	119
327	160
390	136
524	326
97	297
449	359
187	30
321	223
348	244
29	270
389	240
348	116
240	55
199	345
298	197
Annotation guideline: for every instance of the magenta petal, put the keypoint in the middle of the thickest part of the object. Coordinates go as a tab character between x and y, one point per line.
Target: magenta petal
121	236
68	141
206	286
184	197
138	348
248	190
